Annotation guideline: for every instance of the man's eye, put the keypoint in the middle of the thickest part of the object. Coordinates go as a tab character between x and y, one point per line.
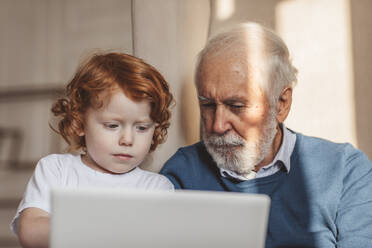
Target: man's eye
234	106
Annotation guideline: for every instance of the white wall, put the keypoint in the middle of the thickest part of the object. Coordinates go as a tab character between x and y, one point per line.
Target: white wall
168	34
319	37
41	45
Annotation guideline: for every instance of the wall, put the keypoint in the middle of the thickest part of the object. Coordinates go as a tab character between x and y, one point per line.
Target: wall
324	100
361	23
330	44
168	34
41	43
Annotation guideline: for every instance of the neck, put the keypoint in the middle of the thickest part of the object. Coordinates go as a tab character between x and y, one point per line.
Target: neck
274	149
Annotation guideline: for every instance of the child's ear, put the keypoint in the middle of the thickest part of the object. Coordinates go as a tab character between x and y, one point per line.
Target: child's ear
80	128
81	132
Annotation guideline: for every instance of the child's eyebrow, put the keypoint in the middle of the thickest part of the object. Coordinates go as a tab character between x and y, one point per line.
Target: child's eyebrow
119	118
149	121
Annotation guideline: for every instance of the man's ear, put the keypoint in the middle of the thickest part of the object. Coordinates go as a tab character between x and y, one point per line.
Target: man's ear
284	104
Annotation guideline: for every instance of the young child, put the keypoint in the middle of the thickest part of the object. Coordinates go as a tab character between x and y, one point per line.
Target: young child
116	112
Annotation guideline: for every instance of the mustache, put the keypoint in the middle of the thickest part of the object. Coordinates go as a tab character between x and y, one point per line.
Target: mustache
224	140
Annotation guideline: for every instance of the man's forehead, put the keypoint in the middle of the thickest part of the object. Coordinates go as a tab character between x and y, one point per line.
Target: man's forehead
231	67
224	91
233	78
234	61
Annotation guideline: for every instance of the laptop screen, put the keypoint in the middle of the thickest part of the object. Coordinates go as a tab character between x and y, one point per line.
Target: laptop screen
134	218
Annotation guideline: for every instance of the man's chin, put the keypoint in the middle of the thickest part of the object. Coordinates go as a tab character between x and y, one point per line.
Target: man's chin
226	151
236	169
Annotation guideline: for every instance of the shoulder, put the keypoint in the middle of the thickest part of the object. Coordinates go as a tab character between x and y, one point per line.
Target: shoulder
324	151
323	147
189	165
59	158
49	172
152	180
190	156
56	162
58	166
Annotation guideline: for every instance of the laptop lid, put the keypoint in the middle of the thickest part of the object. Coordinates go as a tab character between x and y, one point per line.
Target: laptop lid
144	219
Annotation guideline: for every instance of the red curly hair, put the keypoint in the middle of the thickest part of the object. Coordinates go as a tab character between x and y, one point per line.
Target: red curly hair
103	73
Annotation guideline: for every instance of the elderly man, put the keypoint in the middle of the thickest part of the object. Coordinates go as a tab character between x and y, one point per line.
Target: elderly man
321	192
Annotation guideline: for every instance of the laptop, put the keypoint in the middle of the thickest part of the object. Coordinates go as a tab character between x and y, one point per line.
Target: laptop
156	219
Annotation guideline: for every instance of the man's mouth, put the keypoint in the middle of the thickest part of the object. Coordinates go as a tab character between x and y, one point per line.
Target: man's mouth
225	146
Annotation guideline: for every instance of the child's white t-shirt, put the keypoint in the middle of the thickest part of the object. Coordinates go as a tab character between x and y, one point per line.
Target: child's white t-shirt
68	171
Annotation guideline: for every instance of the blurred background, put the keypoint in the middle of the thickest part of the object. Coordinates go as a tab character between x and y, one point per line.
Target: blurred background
42	42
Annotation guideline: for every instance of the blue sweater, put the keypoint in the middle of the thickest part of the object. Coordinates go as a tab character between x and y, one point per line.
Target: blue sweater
324	201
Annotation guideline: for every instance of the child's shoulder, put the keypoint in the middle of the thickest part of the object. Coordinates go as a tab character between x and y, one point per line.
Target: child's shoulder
57	160
153	180
147	175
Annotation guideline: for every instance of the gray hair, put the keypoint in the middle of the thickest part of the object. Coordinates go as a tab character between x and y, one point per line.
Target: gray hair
264	52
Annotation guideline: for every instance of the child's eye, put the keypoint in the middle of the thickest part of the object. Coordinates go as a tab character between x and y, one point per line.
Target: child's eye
142	128
111	126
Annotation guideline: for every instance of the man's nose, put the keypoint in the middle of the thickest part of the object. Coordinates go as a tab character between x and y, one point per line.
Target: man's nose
221	122
126	137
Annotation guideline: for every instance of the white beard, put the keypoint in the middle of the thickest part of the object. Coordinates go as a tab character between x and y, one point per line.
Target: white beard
233	153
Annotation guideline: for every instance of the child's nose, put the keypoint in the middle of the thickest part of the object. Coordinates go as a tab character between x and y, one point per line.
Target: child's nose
126	137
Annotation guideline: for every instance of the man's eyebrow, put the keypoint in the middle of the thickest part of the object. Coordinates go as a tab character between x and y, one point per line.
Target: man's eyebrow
235	99
202	98
230	100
